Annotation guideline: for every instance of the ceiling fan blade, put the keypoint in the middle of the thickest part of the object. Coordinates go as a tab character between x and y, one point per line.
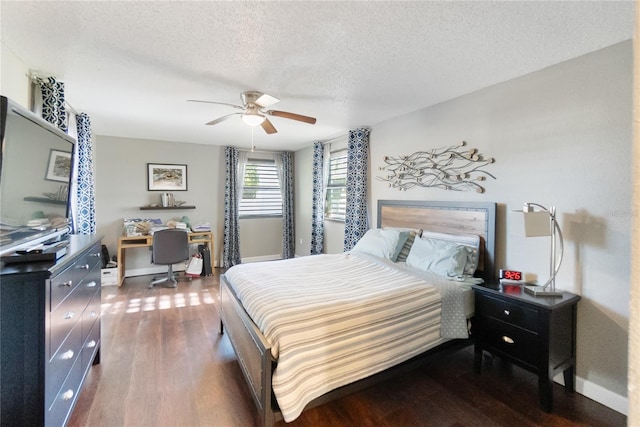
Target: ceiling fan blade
221	119
214	102
268	127
292	116
266	100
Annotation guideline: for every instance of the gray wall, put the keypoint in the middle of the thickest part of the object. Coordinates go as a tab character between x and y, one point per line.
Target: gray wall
561	136
121	189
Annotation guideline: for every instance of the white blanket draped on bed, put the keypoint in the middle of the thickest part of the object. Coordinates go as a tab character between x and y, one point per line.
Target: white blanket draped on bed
334	319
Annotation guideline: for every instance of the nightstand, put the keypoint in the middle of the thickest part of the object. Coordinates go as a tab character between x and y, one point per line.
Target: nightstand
535	333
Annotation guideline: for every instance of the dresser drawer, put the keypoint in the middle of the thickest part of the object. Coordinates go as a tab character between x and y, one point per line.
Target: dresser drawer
518	315
64	284
89	285
91	346
90	315
72	309
62	321
511	341
60	408
61	362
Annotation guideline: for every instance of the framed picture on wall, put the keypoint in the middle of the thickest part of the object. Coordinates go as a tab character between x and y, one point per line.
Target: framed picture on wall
59	166
166	177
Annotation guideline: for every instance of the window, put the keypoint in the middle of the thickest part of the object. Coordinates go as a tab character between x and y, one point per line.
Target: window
337	186
261	193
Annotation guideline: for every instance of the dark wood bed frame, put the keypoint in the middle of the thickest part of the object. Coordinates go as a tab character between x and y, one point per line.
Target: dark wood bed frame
253	350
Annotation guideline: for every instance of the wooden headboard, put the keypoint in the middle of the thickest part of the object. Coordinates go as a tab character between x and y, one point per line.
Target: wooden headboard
476	218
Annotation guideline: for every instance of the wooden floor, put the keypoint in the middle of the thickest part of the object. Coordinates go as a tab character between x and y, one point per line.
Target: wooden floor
164	364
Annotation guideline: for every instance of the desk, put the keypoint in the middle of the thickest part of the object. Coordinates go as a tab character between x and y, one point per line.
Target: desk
125	242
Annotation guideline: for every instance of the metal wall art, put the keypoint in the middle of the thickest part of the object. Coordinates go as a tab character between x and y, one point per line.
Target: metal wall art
454	168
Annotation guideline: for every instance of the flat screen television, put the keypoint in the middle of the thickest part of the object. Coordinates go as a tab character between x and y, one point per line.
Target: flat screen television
36	176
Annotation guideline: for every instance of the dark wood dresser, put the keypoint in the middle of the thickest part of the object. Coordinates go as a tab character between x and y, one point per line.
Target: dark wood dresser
535	333
49	333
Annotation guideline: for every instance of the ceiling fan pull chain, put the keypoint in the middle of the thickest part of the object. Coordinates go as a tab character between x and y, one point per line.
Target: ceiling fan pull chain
253	148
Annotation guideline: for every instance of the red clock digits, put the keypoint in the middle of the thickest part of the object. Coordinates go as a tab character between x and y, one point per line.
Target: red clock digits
512	275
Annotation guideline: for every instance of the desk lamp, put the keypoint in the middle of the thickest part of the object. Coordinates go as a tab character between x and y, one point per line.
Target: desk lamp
539	223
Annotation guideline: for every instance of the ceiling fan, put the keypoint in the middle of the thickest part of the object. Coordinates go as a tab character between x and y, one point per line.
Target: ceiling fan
253	111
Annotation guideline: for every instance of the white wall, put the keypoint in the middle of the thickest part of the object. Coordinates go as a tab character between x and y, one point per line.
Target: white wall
14	77
562	137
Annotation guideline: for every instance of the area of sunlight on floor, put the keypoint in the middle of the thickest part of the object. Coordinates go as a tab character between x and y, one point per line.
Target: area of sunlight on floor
161	302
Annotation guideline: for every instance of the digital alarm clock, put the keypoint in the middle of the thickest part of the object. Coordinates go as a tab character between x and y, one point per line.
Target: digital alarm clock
514	275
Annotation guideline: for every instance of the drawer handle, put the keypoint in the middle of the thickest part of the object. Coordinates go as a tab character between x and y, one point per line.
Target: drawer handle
507	339
66	284
67	395
91	284
91	344
67	355
69	315
84	267
96	254
507	312
92	314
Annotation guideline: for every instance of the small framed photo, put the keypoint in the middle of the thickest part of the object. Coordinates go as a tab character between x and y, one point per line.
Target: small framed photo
59	166
165	177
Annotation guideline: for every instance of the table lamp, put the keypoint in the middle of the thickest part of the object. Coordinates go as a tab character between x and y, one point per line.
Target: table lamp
538	223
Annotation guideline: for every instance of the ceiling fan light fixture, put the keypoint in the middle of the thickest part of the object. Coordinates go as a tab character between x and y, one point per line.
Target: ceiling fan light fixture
253	118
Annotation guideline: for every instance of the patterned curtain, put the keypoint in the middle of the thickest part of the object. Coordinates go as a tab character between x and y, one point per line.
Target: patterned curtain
83	209
318	200
356	216
284	163
232	196
53	108
85	202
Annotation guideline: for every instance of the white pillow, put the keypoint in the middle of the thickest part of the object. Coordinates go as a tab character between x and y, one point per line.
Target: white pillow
469	241
438	256
383	243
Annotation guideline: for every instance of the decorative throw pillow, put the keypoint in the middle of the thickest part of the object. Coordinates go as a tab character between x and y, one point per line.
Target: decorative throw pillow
406	248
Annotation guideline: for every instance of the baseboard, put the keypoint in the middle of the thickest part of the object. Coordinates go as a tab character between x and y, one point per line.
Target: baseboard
602	395
261	258
599	394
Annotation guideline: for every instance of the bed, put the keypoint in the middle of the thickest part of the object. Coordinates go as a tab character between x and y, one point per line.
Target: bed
302	344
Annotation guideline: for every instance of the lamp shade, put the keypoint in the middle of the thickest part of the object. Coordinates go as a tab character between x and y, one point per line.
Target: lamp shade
537	224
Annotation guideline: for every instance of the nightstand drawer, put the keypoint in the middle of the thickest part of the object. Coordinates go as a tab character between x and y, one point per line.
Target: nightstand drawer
511	341
511	313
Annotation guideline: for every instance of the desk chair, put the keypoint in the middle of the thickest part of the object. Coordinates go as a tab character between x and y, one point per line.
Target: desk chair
169	247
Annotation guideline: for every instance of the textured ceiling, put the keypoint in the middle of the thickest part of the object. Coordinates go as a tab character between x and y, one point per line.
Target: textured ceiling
132	65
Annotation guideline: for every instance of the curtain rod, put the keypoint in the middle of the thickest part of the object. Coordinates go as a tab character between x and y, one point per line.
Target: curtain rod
334	139
340	137
260	151
35	78
73	110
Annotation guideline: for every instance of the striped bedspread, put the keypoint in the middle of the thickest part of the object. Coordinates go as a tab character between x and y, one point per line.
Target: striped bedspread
334	319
